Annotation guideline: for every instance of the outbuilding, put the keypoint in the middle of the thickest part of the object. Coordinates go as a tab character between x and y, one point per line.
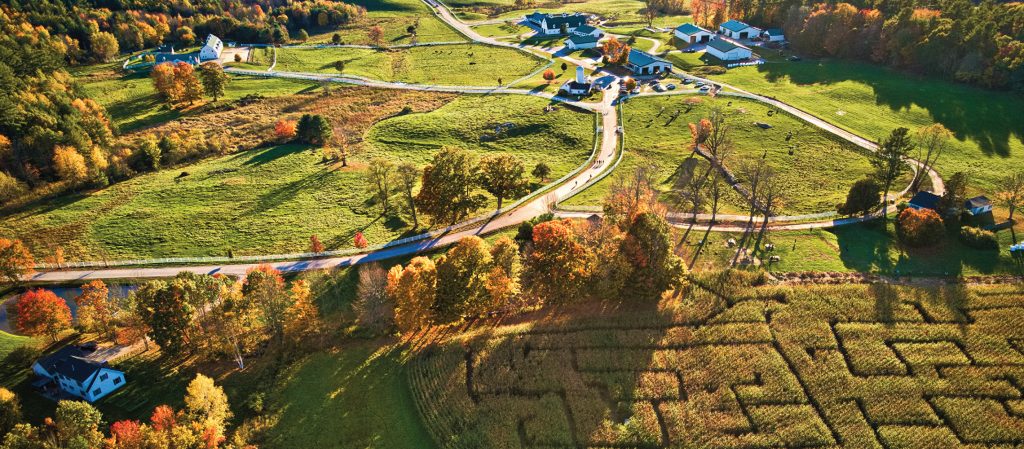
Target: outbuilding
581	42
643	63
588	30
925	200
738	30
978	205
579	85
691	34
728	50
773	35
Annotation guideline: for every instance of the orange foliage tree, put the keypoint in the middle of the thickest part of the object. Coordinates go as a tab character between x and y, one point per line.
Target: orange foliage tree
549	75
360	240
919	227
285	129
94	308
559	264
615	52
41	312
15	260
315	246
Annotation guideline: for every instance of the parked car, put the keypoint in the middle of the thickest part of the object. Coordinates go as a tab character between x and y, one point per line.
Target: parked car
671	87
699	84
636	90
704	89
689	50
687	80
794	58
659	88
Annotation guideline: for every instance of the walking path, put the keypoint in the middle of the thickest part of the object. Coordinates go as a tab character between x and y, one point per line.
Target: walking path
595	168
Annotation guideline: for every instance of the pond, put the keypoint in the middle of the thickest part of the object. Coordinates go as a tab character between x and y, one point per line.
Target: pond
67	292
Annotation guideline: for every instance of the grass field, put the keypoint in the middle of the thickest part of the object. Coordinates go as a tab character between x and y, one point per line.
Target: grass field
132	103
730	366
271	199
618	13
357	397
818	174
872	100
502	29
395	17
469	64
10	342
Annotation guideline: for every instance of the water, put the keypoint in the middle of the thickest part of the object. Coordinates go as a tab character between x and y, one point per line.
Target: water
67	293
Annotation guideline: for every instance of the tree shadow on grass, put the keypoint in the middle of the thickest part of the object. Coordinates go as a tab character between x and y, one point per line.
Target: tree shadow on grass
990	118
265	156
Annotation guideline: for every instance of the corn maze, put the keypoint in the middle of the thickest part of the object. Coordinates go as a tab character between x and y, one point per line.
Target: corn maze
858	366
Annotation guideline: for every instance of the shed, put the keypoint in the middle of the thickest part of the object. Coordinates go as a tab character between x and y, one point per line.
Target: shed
581	41
738	30
773	35
925	200
978	205
692	34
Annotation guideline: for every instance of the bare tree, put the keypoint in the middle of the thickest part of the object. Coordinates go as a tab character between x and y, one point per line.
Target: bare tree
374	309
753	173
932	141
380	177
1011	192
408	174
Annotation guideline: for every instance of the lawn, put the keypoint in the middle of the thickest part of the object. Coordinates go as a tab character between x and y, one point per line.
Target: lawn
618	13
10	342
271	199
464	64
872	100
732	364
817	174
132	103
509	28
395	17
353	397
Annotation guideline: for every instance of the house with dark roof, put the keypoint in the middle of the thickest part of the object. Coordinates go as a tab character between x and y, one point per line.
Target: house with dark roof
557	23
925	200
588	30
581	42
692	34
173	58
70	371
643	63
728	50
978	205
738	30
579	85
773	35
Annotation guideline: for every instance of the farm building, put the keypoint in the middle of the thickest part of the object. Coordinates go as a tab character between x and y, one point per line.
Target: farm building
728	50
70	372
578	85
738	30
581	42
978	205
587	30
557	23
643	63
693	34
925	200
773	35
211	49
191	58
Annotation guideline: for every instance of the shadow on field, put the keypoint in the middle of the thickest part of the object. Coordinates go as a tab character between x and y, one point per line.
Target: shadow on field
990	118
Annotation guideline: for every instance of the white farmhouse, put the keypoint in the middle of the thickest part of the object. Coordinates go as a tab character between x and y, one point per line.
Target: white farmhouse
70	372
728	50
691	34
211	50
738	30
557	23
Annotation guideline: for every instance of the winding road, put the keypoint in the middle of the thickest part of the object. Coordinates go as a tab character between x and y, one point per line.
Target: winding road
601	161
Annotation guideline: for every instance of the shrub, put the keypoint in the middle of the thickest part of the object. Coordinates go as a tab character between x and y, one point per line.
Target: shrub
978	238
22	355
284	129
919	227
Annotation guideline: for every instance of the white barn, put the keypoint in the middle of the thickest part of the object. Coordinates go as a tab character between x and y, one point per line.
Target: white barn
554	23
588	30
581	42
728	50
773	35
738	30
211	50
70	371
643	63
691	34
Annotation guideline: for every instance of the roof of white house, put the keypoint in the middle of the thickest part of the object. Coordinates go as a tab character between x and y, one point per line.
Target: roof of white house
586	29
725	45
555	21
689	28
70	362
578	39
773	31
641	58
735	25
212	40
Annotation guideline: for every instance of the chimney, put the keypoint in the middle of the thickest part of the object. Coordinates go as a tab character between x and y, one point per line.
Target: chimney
580	76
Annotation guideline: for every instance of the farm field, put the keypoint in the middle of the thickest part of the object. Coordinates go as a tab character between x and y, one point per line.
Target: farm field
818	174
616	12
359	392
394	17
271	199
735	365
469	64
509	28
132	102
872	100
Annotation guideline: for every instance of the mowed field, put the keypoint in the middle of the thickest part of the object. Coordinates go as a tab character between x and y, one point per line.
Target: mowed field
732	365
872	101
271	199
464	64
394	17
616	12
817	175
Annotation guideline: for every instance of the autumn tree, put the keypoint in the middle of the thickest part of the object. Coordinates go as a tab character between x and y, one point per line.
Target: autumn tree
931	141
10	411
548	75
864	195
888	161
104	46
380	180
15	260
166	313
648	248
447	192
237	329
630	84
77	425
95	310
461	279
41	312
265	286
206	404
1011	192
163	81
359	240
502	176
502	283
374	308
919	227
70	165
412	289
376	35
558	267
632	194
302	318
541	171
406	175
315	246
191	89
214	79
614	51
285	129
303	35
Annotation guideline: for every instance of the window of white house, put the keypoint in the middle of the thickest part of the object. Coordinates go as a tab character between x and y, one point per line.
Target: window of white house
96	392
117	381
103	376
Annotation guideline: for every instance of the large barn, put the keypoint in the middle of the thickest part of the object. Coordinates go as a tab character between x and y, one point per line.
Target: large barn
643	63
738	30
692	34
728	50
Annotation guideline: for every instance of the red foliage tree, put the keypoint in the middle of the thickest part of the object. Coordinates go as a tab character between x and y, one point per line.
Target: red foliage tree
549	75
360	241
41	312
125	434
163	418
285	129
315	246
919	227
